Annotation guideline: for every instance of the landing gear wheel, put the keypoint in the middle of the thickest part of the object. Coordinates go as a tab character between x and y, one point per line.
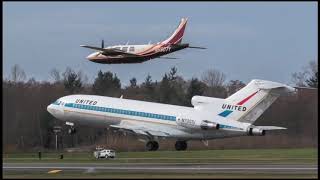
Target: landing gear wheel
72	130
181	145
152	146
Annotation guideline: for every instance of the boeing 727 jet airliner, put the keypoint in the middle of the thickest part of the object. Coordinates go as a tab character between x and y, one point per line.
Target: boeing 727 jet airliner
210	118
140	53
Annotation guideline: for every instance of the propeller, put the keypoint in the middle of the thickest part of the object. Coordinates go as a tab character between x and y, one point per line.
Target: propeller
102	43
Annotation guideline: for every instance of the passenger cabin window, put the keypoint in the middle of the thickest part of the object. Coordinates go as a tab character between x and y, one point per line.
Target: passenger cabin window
131	49
125	49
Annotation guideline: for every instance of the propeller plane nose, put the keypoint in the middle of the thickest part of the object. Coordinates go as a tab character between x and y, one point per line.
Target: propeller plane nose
93	56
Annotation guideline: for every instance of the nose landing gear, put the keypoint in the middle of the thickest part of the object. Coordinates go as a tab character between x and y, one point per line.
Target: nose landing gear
71	129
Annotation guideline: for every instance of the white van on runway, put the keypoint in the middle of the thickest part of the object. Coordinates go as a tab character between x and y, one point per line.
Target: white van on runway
104	153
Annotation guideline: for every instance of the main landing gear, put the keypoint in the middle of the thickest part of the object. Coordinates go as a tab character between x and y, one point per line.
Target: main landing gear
181	145
152	145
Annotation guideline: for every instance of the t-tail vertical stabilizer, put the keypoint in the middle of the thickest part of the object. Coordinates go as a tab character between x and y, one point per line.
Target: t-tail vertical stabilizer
248	104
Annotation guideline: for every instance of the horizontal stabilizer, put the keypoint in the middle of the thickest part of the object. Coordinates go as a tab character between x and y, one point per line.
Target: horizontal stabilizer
197	47
311	88
168	58
270	127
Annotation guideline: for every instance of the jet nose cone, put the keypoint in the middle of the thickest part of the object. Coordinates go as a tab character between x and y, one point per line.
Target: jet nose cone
50	109
55	111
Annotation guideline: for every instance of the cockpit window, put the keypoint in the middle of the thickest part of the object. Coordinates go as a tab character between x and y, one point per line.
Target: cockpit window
57	102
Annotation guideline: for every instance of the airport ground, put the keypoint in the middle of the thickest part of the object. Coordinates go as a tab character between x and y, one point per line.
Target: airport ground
244	163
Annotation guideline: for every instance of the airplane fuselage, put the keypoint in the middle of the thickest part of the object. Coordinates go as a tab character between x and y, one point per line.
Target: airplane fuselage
103	111
210	118
143	53
140	53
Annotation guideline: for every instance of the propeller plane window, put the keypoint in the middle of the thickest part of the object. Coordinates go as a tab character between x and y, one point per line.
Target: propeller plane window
125	49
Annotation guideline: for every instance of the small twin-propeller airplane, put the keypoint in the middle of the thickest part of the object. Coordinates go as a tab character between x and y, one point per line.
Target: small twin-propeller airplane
140	53
210	118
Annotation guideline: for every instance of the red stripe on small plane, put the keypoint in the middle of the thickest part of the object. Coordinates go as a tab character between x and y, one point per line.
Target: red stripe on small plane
178	35
246	99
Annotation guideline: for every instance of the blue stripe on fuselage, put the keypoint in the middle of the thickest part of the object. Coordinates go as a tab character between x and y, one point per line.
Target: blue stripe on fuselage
132	113
121	111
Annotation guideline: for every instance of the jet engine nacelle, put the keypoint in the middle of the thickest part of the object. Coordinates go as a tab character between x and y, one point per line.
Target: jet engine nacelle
205	125
193	124
256	131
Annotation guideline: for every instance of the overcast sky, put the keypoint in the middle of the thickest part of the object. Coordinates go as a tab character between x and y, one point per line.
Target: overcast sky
246	40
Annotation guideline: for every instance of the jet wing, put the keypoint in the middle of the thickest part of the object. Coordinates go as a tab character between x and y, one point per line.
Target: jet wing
141	129
110	51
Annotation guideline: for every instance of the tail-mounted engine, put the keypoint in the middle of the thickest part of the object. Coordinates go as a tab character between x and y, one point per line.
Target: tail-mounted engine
256	131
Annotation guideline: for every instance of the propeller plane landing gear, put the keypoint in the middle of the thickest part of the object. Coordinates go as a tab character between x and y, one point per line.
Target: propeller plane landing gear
152	146
181	145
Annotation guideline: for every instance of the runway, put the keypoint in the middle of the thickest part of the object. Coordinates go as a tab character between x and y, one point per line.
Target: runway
164	167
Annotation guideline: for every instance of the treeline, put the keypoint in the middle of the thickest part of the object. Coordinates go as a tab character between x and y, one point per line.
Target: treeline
27	126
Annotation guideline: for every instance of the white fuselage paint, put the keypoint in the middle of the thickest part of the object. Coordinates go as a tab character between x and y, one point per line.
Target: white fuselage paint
235	115
111	111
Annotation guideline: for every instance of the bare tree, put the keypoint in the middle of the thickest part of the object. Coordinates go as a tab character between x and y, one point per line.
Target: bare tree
213	78
234	86
55	74
308	72
299	78
82	76
17	74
